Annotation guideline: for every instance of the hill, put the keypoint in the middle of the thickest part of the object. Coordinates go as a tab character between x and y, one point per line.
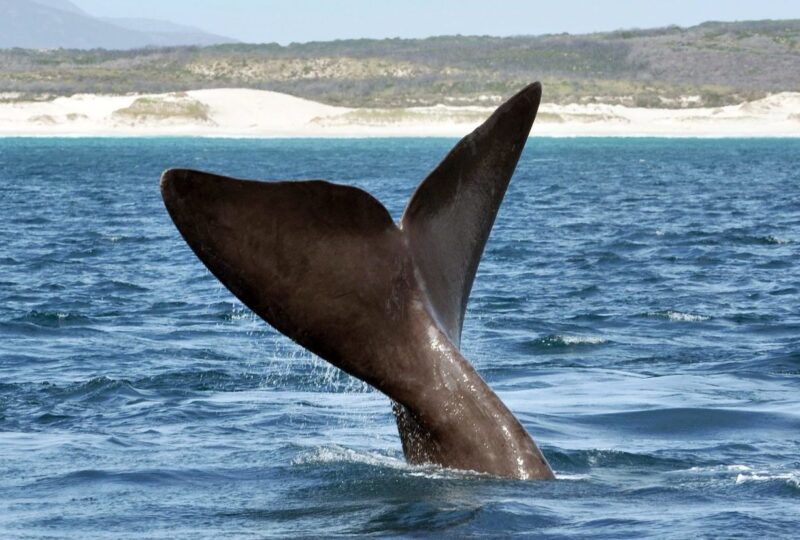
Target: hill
712	64
48	24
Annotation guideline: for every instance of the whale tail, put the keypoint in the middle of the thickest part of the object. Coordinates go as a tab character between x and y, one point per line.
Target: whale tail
326	265
450	215
318	261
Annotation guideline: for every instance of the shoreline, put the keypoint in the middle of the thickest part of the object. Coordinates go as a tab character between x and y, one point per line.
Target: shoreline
260	114
77	136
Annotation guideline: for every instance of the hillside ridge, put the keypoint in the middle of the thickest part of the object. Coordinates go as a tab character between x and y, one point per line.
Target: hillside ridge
708	65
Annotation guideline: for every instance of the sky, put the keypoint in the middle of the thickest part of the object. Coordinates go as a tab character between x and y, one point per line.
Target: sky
286	21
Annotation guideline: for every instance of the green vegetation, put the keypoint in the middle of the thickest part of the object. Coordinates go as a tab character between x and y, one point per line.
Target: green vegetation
712	64
372	117
173	107
44	119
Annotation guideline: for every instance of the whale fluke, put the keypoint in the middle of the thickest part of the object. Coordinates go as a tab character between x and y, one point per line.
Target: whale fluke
450	215
320	262
326	265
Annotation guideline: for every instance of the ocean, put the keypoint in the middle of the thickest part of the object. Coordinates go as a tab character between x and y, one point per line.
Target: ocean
637	307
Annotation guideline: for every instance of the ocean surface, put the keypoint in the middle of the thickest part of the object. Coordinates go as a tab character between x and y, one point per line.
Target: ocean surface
637	307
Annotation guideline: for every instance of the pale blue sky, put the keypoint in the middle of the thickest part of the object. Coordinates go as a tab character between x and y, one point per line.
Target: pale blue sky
285	21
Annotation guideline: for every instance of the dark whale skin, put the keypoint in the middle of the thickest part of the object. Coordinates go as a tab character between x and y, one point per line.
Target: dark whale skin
325	265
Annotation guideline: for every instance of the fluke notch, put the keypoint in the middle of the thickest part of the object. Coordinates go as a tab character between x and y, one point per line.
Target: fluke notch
325	265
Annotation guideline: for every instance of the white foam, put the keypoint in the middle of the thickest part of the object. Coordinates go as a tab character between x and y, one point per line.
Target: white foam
240	314
582	340
682	317
337	454
573	477
775	240
792	478
718	468
745	474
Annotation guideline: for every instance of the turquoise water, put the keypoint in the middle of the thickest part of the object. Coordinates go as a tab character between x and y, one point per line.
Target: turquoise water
638	308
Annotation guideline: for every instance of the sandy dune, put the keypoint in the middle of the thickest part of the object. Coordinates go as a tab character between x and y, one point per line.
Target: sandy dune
256	113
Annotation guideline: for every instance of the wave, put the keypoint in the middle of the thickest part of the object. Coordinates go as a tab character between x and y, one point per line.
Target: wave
764	240
784	291
338	455
745	474
125	239
117	286
753	318
97	390
579	462
584	292
559	342
153	477
675	422
572	477
169	383
200	380
52	319
581	340
677	316
734	236
790	479
33	405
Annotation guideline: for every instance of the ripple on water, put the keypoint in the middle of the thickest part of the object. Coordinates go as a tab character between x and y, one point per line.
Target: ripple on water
53	319
635	307
559	343
676	316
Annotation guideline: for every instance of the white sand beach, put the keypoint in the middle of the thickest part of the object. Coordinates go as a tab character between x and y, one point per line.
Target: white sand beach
256	113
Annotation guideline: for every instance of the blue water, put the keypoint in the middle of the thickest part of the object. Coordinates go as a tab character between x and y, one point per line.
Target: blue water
638	308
